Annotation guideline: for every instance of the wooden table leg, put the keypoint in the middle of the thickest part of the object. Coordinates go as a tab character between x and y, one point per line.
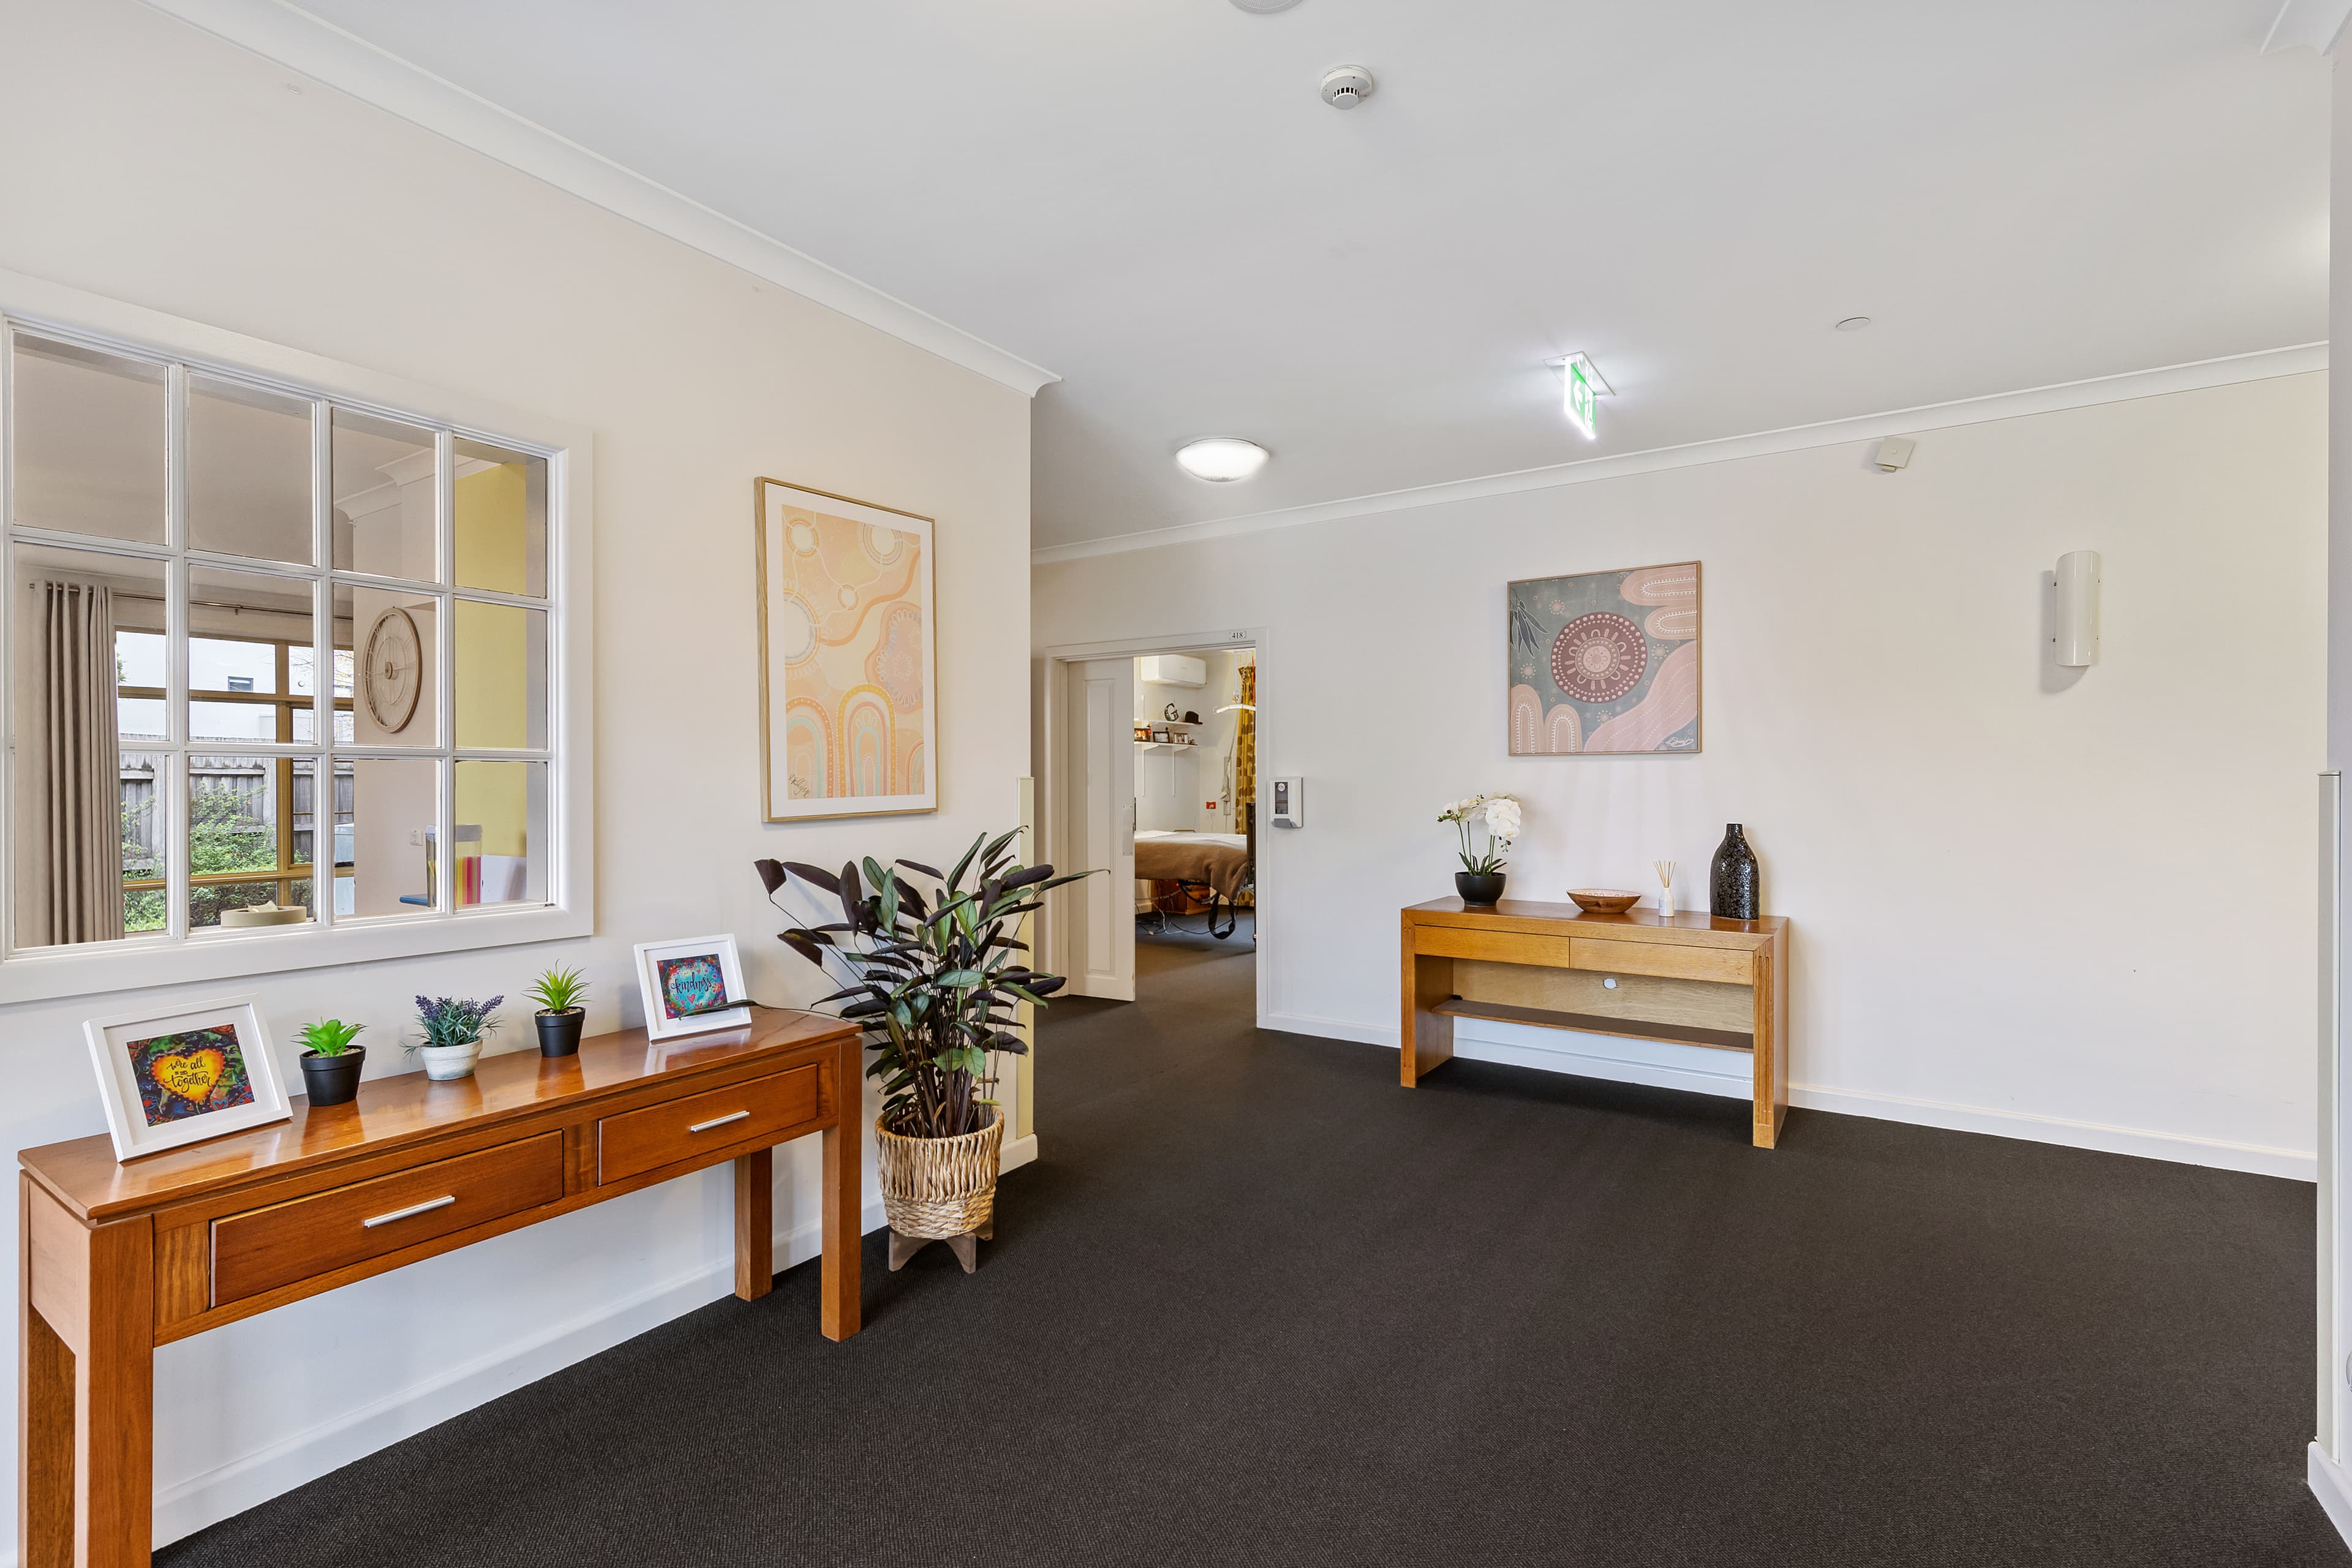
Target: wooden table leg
1770	1095
88	1322
1425	1038
840	1313
755	1224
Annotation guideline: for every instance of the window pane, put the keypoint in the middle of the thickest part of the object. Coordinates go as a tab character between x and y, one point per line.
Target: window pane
395	692
69	764
500	521
501	817
89	442
383	497
242	628
145	849
384	837
237	811
248	472
501	685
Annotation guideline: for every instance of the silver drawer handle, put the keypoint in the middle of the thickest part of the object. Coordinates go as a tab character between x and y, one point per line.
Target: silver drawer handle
718	1121
410	1211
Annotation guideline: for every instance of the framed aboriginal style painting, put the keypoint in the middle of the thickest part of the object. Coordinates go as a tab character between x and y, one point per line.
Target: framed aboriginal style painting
1605	662
170	1078
691	986
848	660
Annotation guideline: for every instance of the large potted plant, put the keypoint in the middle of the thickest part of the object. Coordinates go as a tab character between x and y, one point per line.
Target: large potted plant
933	979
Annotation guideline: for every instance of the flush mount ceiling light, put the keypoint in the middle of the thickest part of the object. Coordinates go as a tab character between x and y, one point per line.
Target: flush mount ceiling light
1853	324
1221	459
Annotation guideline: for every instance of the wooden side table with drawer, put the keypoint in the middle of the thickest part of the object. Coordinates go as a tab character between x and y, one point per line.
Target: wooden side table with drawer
117	1257
1690	979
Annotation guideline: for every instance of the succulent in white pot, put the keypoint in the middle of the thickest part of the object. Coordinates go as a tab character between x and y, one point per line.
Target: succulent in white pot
451	1041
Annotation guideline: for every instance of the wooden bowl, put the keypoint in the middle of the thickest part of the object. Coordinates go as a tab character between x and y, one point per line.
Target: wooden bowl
1603	900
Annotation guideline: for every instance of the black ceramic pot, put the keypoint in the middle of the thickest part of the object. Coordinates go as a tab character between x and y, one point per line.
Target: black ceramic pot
1734	890
1478	890
333	1080
559	1032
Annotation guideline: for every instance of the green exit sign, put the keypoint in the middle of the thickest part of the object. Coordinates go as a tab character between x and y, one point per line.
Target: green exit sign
1583	399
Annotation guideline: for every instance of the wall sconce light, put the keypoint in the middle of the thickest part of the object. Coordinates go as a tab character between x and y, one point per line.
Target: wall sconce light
2076	584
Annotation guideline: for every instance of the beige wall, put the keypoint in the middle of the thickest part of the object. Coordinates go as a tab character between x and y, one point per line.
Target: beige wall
177	173
2078	909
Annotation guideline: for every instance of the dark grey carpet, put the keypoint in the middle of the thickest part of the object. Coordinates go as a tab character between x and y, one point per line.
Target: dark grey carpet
1259	1305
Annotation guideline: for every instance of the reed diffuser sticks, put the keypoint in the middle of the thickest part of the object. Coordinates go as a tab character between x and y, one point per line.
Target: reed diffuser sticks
1666	869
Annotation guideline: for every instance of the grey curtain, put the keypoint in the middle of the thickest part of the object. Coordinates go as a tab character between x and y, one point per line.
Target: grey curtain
69	887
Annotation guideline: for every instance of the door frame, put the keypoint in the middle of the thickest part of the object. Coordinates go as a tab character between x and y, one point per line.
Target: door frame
1056	931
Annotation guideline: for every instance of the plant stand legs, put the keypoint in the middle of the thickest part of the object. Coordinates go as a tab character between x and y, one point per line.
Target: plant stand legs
902	1247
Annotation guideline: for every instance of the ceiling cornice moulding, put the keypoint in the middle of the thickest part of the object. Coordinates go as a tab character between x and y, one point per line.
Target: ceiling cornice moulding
2307	25
2259	366
316	48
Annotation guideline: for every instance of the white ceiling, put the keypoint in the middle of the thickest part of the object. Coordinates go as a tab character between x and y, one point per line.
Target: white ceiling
1148	197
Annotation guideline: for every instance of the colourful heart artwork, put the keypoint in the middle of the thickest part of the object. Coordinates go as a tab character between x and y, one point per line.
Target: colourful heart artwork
192	1073
692	985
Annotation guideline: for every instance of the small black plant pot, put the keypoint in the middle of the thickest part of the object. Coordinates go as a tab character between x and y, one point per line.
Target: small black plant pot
333	1080
1478	890
559	1032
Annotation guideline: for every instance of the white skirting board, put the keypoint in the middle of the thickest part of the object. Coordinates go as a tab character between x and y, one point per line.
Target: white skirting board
1697	1068
2333	1487
1015	1155
239	1484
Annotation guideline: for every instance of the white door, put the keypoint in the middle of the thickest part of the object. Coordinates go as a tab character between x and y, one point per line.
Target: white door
1100	828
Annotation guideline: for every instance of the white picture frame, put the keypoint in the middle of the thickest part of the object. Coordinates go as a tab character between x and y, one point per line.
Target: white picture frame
662	1022
125	1048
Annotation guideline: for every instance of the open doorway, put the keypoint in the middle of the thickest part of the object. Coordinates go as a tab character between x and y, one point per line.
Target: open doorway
1195	741
1150	749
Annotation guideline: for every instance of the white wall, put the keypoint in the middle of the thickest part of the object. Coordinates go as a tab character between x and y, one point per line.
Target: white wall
174	172
2070	909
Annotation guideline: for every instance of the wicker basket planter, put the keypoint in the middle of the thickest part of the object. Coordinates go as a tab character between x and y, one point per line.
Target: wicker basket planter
934	1188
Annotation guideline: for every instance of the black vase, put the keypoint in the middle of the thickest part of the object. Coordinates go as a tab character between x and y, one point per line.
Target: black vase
333	1080
1477	888
1733	890
559	1032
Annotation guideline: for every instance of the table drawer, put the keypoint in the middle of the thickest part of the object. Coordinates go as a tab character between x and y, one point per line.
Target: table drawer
264	1249
1494	946
1733	965
636	1142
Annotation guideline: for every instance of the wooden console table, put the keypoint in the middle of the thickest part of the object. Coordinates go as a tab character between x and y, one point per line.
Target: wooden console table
114	1258
1692	980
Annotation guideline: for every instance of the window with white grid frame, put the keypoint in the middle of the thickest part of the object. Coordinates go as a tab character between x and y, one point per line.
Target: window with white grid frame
279	660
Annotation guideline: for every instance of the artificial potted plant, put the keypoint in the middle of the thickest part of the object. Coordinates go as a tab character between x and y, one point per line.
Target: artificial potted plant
451	1041
1480	880
330	1061
933	980
558	992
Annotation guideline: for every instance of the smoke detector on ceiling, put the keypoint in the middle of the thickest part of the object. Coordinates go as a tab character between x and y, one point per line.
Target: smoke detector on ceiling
1344	87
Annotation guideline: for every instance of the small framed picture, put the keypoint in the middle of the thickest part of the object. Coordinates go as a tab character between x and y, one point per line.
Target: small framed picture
691	986
170	1078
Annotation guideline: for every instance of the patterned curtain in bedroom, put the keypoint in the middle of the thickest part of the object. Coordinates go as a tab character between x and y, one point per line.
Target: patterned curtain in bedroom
1246	744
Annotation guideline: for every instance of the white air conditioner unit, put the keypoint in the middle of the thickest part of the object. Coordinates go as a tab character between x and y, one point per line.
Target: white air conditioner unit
1173	670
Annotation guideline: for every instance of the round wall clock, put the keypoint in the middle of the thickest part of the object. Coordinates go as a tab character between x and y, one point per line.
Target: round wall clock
393	672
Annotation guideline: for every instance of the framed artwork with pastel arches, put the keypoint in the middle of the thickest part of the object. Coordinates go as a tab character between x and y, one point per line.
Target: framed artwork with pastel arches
180	1077
848	657
1606	663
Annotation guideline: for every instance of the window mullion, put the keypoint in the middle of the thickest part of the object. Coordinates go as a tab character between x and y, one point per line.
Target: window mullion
173	814
445	666
322	662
